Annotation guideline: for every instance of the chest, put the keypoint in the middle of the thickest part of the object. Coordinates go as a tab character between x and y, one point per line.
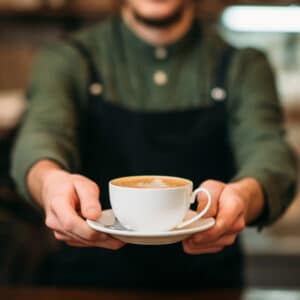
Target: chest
148	81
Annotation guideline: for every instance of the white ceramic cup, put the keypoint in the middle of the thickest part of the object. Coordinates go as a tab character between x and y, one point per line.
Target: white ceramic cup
154	209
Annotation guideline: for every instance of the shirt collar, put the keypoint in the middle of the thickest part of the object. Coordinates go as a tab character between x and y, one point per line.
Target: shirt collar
155	53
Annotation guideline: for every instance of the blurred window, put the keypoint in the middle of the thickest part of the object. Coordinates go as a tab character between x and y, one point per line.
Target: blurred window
275	30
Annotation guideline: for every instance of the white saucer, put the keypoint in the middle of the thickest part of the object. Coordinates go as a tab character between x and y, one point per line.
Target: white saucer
109	224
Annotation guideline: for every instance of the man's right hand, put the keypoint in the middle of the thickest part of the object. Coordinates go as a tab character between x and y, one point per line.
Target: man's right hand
67	200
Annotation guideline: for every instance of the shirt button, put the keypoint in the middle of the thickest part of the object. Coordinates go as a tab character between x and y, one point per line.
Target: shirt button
218	94
161	53
96	89
160	78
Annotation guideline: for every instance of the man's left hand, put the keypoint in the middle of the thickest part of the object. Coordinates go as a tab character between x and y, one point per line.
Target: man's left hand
233	206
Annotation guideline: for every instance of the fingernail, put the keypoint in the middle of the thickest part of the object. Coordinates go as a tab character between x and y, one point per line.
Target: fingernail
92	211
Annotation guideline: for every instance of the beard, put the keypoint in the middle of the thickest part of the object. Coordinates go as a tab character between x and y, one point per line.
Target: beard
163	22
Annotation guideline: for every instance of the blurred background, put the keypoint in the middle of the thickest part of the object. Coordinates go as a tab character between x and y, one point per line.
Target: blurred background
272	256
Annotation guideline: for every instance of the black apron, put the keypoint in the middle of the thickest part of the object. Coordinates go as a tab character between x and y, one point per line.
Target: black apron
119	142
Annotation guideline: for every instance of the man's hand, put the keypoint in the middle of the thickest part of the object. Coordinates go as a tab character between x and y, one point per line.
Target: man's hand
233	205
67	199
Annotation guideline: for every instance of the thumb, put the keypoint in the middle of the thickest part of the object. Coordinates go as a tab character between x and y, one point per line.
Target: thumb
215	189
88	194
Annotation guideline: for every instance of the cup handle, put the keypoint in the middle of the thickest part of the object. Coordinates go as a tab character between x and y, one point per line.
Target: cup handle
203	212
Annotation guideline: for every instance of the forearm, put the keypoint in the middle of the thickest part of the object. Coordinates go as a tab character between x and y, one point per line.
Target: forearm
36	178
256	131
253	195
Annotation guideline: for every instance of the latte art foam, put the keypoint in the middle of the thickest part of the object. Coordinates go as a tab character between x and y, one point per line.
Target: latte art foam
154	183
150	182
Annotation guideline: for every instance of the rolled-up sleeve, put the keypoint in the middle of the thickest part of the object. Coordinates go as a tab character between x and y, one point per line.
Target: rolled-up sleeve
49	127
258	136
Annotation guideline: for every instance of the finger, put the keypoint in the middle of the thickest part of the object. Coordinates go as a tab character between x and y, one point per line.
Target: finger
202	202
203	251
239	225
75	244
53	223
88	194
215	188
61	237
230	210
224	241
64	237
110	242
227	215
71	224
112	246
236	228
194	251
212	235
69	241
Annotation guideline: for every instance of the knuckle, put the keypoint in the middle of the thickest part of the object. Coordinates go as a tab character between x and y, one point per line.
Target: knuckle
238	227
94	186
230	241
49	222
223	226
84	180
187	249
240	204
67	224
91	236
55	205
77	177
116	246
58	236
241	226
209	182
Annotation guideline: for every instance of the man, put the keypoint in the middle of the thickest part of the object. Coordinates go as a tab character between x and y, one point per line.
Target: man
152	92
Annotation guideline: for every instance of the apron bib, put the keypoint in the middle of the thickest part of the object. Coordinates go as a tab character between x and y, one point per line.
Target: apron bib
119	142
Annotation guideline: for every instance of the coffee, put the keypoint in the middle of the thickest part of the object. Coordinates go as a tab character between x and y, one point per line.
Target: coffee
152	182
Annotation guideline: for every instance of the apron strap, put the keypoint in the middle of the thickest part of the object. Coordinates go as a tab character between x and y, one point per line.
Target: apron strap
95	84
94	90
219	92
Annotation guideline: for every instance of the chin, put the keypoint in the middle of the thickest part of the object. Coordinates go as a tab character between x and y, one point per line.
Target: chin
156	9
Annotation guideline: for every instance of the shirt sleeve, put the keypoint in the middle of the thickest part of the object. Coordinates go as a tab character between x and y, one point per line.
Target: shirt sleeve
49	127
258	136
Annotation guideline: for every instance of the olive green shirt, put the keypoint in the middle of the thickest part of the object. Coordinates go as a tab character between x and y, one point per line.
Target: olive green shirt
137	75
